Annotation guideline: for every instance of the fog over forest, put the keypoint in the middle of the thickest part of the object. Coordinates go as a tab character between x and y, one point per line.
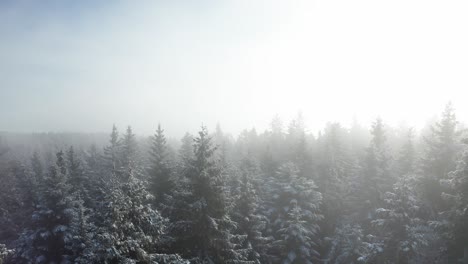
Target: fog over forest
241	132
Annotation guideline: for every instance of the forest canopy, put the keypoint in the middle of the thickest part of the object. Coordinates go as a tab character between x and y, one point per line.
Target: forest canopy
285	195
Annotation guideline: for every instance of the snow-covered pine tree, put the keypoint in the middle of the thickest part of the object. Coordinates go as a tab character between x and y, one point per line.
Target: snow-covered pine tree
295	216
246	213
134	227
160	171
77	177
457	214
334	171
399	226
17	198
377	179
50	240
202	227
129	150
347	245
112	155
442	146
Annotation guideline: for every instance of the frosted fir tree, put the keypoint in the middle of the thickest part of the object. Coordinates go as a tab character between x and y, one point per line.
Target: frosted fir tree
77	177
51	239
129	150
246	213
112	155
347	245
442	146
457	214
377	179
295	208
160	171
399	225
201	225
132	229
17	199
335	171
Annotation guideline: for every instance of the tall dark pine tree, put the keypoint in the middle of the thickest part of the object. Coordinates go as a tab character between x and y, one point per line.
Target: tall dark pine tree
458	210
442	146
129	151
250	222
377	178
160	172
112	153
206	214
334	171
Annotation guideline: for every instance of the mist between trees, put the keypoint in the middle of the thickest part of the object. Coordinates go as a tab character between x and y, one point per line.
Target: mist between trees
345	195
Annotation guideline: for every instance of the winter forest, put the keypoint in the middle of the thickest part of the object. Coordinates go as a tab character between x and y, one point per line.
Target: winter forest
284	195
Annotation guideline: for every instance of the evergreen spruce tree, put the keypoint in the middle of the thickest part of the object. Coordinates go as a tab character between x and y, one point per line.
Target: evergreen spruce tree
160	172
457	213
377	179
295	216
205	215
129	151
50	240
77	177
250	222
334	175
347	245
112	153
439	159
442	145
400	226
132	229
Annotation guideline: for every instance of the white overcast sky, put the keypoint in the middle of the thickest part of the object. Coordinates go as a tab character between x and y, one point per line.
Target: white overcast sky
83	65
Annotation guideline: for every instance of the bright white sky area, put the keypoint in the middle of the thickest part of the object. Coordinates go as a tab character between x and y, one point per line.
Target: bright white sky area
83	65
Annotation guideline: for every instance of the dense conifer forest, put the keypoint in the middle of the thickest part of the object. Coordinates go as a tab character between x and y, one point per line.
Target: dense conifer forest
284	195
